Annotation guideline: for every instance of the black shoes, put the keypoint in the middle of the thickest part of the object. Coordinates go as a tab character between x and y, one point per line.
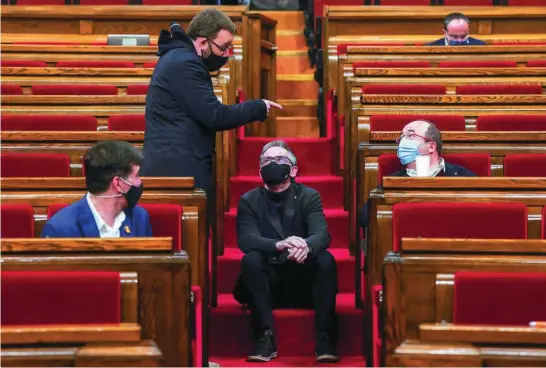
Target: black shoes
325	348
264	348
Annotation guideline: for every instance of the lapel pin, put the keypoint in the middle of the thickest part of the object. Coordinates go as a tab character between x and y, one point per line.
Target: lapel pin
127	230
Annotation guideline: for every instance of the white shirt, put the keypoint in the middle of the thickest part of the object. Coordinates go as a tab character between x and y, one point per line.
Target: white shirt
106	231
441	167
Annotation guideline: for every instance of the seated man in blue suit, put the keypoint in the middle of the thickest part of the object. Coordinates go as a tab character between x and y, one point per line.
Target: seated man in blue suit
456	32
109	209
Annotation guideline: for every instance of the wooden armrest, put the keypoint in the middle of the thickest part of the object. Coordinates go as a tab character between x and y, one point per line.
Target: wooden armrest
126	244
85	333
481	333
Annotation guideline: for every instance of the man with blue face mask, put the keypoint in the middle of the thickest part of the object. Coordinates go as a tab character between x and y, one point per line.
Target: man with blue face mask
456	32
419	151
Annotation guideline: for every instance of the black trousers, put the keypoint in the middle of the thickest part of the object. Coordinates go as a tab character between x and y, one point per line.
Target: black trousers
312	284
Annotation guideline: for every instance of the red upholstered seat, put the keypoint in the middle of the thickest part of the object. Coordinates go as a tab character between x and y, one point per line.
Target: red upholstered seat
478	163
167	2
137	89
403	89
17	220
524	43
511	123
60	297
50	43
127	123
525	165
40	2
544	223
468	2
95	64
342	48
397	122
24	63
166	220
391	64
150	64
500	89
478	64
27	165
404	2
11	89
74	89
526	2
537	63
104	2
458	220
499	298
49	123
53	208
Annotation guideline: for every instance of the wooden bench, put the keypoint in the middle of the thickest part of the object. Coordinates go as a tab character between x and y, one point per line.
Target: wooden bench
163	287
417	326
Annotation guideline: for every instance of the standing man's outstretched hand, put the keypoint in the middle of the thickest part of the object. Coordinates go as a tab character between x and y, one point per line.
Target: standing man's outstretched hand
270	104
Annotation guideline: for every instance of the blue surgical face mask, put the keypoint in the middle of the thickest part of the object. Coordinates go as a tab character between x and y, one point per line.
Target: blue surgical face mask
458	42
408	150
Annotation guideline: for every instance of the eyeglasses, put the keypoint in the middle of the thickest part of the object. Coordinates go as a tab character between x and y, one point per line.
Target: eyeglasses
225	49
281	160
411	136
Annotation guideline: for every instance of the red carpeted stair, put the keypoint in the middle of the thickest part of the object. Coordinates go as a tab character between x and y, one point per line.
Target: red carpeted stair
229	323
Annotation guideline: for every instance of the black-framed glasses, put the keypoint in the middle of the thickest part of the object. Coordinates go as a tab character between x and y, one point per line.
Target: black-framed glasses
225	49
281	160
411	136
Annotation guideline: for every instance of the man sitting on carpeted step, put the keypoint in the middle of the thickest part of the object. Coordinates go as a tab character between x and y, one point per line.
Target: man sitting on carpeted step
282	230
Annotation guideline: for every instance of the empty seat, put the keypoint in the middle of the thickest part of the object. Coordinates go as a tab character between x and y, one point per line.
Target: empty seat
41	2
342	48
17	220
31	165
499	298
401	2
465	2
458	220
397	122
74	89
127	123
60	297
48	43
537	63
526	2
391	64
104	2
137	89
166	220
167	2
544	223
511	123
150	64
404	89
24	63
95	64
478	64
525	165
49	123
11	89
500	89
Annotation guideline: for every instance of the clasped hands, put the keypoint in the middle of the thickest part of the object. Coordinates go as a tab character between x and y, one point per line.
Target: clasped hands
297	248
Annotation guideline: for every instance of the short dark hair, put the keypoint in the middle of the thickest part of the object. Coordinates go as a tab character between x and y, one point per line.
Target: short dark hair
106	160
280	143
455	16
209	22
433	134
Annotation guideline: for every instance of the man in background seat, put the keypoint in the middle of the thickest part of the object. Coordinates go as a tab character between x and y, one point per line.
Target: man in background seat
282	230
109	209
456	32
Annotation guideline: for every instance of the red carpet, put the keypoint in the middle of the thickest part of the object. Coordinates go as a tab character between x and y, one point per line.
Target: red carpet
230	328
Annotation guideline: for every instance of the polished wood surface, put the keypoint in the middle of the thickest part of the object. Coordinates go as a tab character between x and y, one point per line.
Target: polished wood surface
460	99
79	183
86	245
449	72
474	245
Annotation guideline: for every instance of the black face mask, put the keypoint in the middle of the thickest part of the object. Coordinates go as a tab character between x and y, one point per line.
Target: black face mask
215	62
133	195
275	174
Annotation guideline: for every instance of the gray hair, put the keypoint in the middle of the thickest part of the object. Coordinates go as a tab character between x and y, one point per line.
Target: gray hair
279	143
455	16
433	134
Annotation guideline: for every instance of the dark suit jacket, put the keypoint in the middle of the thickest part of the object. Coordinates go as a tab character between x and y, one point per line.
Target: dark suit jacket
259	230
471	42
77	221
183	114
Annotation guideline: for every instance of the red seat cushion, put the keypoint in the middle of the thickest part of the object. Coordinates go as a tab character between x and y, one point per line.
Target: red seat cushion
11	89
21	165
49	123
525	165
500	89
167	2
404	2
511	123
537	63
74	89
398	122
17	220
468	2
544	223
104	2
50	43
403	89
95	64
137	89
342	48
478	64
127	123
166	220
151	64
40	2
499	298
390	64
24	63
527	2
458	220
60	297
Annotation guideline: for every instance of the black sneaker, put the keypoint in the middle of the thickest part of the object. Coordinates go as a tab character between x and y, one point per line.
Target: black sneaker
326	352
264	348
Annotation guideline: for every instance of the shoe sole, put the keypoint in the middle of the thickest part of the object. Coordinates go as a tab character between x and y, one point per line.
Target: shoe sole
257	358
327	358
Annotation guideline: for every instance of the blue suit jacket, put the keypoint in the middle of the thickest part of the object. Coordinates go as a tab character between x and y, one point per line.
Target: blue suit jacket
471	42
77	221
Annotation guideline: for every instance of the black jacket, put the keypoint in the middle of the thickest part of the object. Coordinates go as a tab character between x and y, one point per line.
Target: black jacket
471	42
183	114
258	229
451	170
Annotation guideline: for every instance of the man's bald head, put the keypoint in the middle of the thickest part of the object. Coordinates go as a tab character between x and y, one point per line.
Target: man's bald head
456	26
427	132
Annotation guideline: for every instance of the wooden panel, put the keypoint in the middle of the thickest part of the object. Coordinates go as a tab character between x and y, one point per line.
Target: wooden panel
482	334
86	245
474	245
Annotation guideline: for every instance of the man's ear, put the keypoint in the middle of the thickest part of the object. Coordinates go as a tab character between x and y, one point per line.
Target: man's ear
432	147
294	171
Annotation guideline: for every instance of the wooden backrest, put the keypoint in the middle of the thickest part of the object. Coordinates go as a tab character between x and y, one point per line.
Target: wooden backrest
163	282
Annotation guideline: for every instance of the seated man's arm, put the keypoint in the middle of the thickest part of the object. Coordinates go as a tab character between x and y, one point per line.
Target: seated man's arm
49	231
148	231
318	237
249	237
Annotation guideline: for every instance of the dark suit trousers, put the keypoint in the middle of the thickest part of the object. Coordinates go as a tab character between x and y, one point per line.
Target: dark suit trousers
291	285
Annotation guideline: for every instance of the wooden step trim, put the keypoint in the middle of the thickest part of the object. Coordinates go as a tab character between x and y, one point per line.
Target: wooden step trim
298	102
288	32
292	53
295	77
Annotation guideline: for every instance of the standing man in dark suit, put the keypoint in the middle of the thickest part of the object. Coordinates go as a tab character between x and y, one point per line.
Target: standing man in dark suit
182	112
282	230
456	32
